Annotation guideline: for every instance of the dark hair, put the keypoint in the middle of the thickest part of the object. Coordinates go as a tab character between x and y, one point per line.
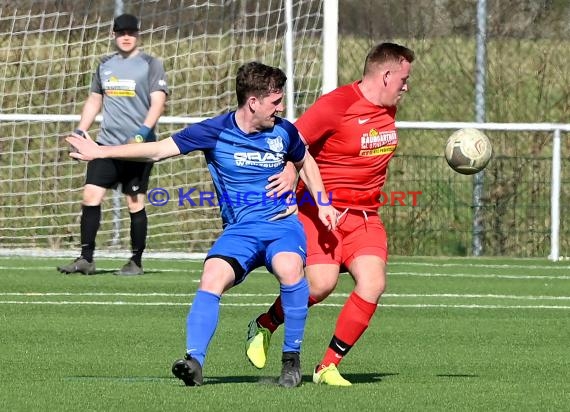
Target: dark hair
257	79
385	53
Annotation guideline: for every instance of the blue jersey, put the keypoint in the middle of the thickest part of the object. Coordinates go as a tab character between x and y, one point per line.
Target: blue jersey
240	163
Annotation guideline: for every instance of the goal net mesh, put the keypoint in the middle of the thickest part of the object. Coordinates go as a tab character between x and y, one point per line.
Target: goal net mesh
48	53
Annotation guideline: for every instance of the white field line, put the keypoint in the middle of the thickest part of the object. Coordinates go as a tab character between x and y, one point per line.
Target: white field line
482	265
249	304
390	273
273	295
417	306
53	269
481	275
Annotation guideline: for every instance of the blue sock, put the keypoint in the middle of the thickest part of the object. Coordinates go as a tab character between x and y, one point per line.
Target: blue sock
201	324
294	300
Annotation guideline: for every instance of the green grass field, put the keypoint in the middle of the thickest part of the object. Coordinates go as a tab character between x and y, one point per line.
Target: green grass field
450	334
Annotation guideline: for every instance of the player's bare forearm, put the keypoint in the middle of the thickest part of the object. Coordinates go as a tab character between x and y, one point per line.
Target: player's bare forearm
157	103
310	174
87	150
91	109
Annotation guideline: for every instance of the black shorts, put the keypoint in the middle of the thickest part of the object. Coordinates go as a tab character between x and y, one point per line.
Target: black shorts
108	173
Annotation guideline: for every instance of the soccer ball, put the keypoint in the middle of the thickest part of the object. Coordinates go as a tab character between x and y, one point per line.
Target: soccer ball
468	151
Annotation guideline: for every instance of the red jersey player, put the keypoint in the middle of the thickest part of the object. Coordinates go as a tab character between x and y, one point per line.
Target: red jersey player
351	134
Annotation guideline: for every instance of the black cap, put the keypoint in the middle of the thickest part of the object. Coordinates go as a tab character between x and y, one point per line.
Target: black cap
125	22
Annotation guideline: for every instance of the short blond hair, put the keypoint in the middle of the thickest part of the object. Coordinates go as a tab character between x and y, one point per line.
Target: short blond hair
386	53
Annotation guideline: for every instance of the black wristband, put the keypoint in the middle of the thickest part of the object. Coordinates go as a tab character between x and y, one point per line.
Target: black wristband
79	132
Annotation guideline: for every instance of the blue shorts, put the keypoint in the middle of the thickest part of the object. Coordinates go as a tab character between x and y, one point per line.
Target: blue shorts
254	244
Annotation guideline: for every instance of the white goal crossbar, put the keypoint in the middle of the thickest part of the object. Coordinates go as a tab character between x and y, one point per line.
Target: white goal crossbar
555	128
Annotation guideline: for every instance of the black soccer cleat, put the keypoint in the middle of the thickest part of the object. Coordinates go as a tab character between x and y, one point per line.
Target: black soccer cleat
189	371
291	370
130	269
79	265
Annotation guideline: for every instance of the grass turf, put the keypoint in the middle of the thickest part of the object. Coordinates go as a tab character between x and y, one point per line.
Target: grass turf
450	334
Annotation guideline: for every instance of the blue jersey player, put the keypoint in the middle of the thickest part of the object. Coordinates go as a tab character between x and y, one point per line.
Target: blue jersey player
244	149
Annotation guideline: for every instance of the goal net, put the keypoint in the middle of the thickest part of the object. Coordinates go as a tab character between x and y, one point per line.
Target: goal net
48	52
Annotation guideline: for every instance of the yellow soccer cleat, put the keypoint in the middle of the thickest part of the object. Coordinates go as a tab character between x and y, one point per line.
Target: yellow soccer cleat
329	375
257	344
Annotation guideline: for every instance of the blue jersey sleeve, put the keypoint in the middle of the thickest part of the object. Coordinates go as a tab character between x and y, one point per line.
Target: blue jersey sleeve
296	150
200	136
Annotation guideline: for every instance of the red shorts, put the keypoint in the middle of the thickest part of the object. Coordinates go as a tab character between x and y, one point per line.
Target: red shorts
357	233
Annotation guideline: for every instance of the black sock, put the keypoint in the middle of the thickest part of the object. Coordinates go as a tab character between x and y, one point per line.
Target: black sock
139	224
90	220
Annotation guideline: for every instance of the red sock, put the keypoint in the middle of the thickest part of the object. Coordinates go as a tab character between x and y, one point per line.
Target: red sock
274	316
352	321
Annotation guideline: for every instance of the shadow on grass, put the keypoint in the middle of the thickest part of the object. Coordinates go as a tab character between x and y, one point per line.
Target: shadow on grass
268	380
367	377
99	272
456	375
355	378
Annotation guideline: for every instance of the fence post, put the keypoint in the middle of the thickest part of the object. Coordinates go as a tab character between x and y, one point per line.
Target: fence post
555	198
480	77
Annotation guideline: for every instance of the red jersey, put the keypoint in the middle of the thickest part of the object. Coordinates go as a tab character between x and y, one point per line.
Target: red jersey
352	141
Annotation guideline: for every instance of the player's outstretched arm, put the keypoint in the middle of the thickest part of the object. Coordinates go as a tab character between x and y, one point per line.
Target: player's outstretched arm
314	182
87	150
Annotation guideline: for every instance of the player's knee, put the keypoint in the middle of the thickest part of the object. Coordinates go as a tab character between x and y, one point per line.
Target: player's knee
371	291
134	208
92	199
216	285
380	287
288	268
135	203
217	277
93	195
320	290
289	277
